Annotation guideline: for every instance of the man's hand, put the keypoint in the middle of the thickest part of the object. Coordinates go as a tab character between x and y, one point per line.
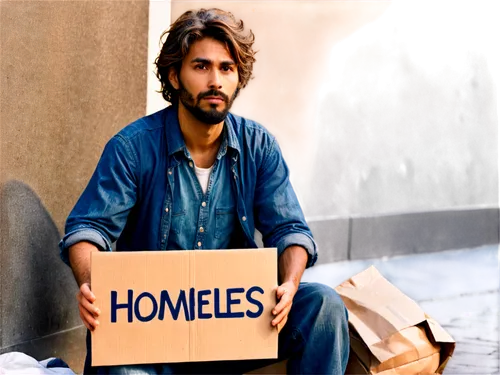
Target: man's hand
284	295
88	312
291	265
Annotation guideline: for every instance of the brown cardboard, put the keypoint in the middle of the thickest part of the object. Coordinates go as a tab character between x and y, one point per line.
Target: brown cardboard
389	333
204	338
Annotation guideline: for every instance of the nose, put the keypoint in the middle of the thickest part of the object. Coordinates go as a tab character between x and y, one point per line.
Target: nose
215	81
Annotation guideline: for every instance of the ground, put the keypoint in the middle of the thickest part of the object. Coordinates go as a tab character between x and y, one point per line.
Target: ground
458	288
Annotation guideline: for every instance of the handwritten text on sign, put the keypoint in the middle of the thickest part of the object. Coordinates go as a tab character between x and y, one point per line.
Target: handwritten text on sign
193	304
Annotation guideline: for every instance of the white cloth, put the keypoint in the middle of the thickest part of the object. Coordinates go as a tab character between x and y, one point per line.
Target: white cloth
16	363
203	175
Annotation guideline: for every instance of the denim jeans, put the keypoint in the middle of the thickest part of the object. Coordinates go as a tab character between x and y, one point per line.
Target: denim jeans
315	340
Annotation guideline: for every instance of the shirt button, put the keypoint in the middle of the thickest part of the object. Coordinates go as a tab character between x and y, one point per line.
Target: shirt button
202	230
244	218
191	164
166	209
204	204
199	244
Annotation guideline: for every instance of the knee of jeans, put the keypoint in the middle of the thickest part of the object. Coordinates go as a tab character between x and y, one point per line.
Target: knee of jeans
331	306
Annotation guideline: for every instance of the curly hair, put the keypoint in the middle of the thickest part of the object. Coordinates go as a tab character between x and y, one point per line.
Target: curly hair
195	25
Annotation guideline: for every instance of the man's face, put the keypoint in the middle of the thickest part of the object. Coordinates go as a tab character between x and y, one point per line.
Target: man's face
207	81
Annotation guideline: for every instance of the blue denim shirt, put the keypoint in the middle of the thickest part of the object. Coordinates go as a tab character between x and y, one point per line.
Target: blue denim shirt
129	198
203	220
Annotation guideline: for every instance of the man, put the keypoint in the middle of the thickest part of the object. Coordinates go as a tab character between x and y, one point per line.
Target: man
194	176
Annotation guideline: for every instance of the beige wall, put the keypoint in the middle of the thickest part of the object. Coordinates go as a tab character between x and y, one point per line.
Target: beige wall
292	39
407	118
72	74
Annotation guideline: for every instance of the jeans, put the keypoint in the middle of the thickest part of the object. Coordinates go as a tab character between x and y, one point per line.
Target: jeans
315	340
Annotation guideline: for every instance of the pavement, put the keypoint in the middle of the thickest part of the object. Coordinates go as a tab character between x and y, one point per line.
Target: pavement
458	288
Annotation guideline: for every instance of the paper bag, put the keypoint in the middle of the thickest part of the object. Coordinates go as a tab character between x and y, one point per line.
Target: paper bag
390	334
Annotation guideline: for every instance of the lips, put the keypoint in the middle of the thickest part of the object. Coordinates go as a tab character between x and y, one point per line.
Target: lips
214	99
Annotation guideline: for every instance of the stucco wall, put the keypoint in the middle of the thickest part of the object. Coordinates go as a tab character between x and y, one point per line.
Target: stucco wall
441	154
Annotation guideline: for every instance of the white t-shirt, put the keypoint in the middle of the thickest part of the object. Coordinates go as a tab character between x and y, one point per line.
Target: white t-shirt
203	175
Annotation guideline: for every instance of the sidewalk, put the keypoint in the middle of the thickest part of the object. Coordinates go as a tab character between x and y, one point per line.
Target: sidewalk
459	288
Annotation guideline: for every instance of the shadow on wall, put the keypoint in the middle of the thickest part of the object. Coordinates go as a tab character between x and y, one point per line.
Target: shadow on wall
412	149
37	288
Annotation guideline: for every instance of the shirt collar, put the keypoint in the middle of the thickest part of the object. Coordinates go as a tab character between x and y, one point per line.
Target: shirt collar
175	140
173	134
232	139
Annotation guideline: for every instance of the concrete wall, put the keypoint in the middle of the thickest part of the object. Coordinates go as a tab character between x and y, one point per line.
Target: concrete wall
407	118
407	172
71	75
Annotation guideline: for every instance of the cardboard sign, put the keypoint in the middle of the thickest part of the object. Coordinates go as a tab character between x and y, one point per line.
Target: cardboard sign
182	306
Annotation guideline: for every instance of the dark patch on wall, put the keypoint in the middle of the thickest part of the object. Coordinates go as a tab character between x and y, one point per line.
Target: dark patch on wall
39	290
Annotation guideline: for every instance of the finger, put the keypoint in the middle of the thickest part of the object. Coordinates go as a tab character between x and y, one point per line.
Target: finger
285	301
87	293
281	316
280	291
93	323
89	318
79	297
90	307
85	323
89	327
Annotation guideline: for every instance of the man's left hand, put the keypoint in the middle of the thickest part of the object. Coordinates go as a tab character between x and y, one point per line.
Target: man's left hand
284	294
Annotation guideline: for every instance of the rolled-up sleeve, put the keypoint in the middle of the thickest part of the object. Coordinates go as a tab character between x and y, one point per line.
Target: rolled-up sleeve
79	235
279	216
100	213
299	239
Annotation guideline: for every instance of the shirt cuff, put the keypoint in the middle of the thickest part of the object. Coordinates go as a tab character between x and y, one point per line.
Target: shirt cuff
79	235
299	239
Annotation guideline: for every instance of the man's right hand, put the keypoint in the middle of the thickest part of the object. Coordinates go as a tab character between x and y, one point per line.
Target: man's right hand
88	312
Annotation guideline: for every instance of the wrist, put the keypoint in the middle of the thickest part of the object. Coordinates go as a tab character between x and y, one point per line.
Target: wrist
292	263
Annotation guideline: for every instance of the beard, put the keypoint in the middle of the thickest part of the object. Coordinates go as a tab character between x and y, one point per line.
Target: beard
211	116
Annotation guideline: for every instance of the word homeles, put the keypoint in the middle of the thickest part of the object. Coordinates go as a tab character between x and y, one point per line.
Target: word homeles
193	304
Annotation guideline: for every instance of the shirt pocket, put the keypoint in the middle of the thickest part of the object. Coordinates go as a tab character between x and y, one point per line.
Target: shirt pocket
178	221
224	221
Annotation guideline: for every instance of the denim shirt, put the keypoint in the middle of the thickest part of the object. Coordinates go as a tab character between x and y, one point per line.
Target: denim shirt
129	198
203	220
